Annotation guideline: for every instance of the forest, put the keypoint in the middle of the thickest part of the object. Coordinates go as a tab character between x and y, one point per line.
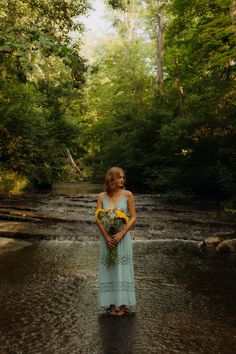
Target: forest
157	97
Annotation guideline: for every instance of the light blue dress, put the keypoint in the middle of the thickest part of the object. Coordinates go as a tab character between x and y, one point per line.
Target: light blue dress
116	282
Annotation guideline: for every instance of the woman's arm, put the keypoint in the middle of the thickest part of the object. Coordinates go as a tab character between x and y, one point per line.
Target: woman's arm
131	221
100	225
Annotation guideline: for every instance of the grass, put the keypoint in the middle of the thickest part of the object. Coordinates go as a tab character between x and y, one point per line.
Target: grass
12	183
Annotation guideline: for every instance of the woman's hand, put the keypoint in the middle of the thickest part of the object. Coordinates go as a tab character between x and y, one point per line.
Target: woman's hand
117	237
110	242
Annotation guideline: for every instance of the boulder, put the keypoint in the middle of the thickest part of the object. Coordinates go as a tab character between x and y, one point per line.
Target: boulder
212	241
227	246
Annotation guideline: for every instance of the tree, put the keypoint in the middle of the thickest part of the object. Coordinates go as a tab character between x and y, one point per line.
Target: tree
42	74
181	142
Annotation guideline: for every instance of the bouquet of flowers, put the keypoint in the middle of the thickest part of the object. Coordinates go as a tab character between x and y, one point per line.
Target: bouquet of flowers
113	221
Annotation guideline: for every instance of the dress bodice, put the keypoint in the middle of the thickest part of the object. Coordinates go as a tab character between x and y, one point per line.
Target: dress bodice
121	203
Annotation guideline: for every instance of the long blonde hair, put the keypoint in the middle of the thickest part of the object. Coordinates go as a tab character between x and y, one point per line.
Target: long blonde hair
110	180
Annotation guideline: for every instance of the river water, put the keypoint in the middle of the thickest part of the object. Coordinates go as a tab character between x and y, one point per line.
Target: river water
186	300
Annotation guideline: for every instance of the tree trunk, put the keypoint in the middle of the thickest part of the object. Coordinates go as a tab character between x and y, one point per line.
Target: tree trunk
180	88
230	62
131	17
159	43
77	169
233	12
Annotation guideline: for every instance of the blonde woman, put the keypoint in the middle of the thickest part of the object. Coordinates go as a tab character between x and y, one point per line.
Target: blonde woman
116	282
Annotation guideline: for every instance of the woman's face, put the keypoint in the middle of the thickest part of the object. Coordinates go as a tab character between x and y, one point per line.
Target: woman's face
120	180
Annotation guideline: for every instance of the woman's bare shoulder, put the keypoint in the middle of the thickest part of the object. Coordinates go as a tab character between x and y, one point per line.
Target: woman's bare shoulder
101	195
128	194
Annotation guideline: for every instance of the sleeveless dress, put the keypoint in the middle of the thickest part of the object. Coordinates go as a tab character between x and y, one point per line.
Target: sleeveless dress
116	282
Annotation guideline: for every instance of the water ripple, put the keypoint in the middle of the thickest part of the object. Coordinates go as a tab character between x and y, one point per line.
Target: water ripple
185	302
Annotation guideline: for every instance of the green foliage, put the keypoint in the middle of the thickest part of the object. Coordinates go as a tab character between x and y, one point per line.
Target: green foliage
42	75
178	139
117	4
177	150
119	75
12	182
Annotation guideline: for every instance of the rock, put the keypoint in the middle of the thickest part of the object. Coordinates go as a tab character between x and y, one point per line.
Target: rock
71	217
11	244
227	246
212	241
5	241
226	234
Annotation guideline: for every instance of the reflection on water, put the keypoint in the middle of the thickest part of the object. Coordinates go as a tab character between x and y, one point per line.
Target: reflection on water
48	301
75	188
117	334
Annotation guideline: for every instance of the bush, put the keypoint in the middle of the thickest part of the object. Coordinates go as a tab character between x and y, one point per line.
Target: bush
12	183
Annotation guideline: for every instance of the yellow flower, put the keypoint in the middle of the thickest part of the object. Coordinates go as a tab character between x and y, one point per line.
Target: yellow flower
97	212
122	215
100	211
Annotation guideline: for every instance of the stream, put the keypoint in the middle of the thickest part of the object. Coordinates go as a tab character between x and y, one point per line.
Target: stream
186	299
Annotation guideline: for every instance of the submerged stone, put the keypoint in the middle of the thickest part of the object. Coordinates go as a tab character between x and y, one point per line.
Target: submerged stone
227	246
212	241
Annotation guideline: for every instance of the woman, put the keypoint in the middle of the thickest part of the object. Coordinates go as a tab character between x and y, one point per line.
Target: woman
116	282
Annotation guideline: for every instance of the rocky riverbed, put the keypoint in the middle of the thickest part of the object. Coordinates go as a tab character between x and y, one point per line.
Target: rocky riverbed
48	290
44	216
